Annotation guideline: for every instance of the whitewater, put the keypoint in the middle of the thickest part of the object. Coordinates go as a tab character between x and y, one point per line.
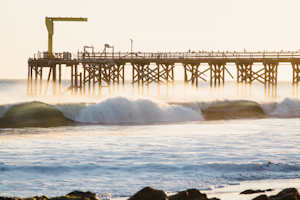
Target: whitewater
116	145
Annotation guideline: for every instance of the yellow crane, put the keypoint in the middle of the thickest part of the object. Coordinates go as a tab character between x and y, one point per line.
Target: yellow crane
49	24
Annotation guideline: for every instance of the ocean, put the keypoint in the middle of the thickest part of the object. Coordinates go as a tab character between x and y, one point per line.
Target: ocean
114	145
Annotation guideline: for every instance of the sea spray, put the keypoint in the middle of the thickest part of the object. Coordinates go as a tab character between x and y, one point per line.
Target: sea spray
142	110
287	108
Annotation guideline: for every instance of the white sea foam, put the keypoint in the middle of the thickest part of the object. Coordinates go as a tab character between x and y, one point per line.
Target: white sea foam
142	110
287	108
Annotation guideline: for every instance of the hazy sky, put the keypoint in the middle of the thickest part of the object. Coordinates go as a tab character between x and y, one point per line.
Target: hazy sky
153	25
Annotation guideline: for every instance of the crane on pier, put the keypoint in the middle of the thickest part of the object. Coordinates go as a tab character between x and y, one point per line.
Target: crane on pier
49	23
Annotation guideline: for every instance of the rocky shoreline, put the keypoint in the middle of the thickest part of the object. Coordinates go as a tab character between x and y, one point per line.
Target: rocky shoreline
149	193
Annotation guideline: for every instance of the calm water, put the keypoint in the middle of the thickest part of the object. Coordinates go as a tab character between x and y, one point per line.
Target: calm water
116	145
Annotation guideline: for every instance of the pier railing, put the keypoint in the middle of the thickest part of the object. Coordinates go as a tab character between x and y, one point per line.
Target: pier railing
173	56
178	56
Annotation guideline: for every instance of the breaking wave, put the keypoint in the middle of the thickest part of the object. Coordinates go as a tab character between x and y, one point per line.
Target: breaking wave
116	110
127	110
32	114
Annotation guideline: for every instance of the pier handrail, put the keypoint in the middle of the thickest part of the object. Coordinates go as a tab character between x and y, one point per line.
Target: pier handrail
176	56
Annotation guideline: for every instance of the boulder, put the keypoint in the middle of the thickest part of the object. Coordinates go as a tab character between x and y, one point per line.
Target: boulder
252	191
149	193
284	192
191	194
255	191
88	194
262	197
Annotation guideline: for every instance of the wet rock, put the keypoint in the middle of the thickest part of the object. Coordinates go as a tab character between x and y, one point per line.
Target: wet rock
39	198
262	197
255	191
196	194
68	197
149	193
286	192
252	191
88	194
191	194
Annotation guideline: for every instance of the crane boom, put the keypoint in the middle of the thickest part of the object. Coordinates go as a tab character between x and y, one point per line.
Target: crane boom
50	27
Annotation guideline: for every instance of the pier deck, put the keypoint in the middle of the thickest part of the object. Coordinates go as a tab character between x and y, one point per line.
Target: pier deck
107	68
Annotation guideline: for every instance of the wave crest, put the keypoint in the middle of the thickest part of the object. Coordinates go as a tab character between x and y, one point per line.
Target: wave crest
287	108
129	110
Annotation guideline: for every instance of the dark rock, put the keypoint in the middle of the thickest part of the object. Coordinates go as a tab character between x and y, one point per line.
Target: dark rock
256	191
191	194
88	194
262	197
38	198
149	193
196	194
214	198
67	197
285	192
184	195
252	191
292	196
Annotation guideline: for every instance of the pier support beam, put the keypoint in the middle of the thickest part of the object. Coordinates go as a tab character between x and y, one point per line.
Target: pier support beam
271	68
141	75
53	66
59	79
244	76
40	72
28	78
91	74
104	73
193	69
217	73
165	75
144	74
296	76
35	74
117	73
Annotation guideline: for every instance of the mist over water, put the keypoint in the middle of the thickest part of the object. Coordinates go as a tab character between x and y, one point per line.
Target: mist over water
117	144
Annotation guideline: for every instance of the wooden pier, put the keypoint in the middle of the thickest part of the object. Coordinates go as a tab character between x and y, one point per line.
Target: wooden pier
106	70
